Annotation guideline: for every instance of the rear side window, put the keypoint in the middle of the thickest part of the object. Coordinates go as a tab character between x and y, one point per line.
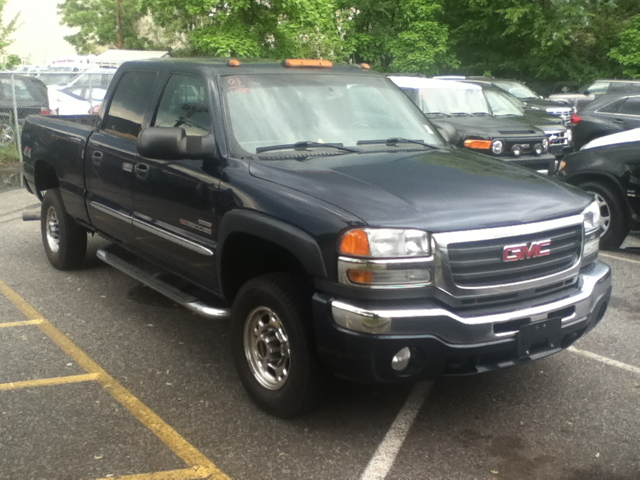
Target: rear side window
6	90
130	101
631	106
185	104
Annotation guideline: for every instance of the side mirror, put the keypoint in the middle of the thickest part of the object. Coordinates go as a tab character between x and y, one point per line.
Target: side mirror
173	143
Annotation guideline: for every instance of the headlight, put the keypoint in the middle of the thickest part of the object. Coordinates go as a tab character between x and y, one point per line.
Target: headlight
569	135
545	144
497	147
592	232
385	258
592	217
385	243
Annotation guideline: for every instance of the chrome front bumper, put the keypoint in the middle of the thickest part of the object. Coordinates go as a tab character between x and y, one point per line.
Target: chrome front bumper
429	318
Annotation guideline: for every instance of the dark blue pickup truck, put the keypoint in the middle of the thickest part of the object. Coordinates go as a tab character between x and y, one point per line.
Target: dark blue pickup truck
318	208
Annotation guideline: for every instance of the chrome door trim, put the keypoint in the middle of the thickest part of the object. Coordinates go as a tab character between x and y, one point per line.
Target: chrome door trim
111	211
173	238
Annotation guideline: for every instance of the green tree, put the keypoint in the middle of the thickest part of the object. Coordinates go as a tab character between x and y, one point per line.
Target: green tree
6	30
628	50
97	20
404	35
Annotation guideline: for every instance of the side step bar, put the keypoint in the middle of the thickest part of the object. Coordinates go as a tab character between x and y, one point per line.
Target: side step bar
111	256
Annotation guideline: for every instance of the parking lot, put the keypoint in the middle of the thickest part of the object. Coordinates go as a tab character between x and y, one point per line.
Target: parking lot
101	377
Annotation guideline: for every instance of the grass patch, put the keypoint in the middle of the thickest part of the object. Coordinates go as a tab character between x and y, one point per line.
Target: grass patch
9	155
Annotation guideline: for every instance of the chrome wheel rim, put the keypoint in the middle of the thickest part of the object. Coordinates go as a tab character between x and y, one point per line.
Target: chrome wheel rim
266	346
605	212
6	134
53	230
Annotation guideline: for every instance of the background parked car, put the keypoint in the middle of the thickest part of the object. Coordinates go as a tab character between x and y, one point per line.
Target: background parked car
612	174
78	93
606	115
462	114
626	136
595	89
505	105
530	99
31	98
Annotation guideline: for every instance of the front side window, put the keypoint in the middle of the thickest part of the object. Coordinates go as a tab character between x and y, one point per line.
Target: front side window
502	104
130	101
185	104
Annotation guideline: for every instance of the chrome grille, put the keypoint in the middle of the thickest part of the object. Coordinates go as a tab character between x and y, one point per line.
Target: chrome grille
480	263
558	138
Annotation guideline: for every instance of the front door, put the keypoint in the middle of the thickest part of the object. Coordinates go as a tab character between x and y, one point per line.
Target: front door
175	201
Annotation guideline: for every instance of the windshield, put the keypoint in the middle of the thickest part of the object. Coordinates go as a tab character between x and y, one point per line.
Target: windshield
272	110
503	104
517	90
449	101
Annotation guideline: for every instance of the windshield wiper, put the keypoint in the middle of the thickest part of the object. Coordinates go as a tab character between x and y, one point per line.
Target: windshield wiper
394	141
437	113
482	114
305	145
461	114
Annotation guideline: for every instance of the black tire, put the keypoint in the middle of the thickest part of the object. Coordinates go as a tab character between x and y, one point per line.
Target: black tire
65	242
617	227
289	299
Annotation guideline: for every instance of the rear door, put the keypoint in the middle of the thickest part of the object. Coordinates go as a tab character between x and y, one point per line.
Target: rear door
629	113
111	155
175	201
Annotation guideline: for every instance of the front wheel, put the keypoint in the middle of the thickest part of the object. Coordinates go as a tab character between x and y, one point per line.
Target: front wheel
615	225
65	242
273	347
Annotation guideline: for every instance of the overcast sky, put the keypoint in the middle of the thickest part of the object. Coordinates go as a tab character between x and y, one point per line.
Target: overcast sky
39	37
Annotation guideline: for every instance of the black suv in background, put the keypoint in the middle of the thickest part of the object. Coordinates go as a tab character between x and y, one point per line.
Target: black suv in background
606	115
463	116
31	99
530	99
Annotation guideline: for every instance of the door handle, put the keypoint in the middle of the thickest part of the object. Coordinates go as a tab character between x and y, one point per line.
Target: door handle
618	121
96	158
141	171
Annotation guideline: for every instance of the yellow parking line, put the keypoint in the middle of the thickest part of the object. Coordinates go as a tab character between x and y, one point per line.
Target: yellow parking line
21	324
196	473
624	259
191	455
41	382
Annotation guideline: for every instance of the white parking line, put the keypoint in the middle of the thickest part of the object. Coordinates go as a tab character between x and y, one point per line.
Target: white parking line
607	360
625	259
387	451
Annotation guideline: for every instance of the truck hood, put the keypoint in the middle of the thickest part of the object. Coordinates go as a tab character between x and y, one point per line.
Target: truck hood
487	127
435	190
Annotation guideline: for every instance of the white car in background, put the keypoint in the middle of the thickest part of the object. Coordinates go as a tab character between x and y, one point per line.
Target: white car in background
626	136
79	95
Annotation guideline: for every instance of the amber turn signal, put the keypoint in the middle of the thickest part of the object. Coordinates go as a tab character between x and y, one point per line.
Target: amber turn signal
355	242
360	276
478	144
304	62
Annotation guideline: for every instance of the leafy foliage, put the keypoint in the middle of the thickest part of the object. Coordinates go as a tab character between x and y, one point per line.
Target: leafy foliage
6	30
569	40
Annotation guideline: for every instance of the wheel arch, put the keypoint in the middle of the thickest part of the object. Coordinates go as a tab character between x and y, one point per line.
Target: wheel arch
251	243
610	180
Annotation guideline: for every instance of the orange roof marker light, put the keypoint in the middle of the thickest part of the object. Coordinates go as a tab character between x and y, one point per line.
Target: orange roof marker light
306	62
365	66
234	62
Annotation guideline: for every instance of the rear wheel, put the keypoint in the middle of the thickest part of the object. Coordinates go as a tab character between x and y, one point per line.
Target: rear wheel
615	225
273	347
65	242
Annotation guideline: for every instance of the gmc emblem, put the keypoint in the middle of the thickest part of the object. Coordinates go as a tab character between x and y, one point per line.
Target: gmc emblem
524	251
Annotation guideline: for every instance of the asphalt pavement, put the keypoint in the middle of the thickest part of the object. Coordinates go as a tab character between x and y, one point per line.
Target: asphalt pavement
101	377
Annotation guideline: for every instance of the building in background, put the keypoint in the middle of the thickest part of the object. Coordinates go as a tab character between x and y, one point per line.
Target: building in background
39	38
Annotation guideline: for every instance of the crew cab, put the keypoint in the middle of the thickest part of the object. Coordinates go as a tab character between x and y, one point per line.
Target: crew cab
464	117
317	207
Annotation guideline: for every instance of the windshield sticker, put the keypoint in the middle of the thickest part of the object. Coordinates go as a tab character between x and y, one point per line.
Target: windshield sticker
236	86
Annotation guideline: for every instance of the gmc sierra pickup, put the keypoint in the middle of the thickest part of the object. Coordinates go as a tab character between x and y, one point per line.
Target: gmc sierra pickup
318	208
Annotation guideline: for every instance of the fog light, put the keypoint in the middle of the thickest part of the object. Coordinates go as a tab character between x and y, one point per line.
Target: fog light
516	150
538	149
401	360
